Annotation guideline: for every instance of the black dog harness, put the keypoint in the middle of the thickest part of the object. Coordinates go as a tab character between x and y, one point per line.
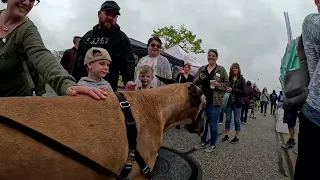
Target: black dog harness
133	155
132	141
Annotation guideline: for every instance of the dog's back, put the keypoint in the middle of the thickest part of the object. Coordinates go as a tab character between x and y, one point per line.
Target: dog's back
94	128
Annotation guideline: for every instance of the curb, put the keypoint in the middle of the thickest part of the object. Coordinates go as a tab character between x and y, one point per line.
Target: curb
286	165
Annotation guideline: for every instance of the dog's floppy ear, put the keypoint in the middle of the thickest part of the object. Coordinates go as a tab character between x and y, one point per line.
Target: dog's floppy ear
193	89
195	94
166	81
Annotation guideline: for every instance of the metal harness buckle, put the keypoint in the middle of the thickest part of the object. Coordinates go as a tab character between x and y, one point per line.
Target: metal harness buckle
124	104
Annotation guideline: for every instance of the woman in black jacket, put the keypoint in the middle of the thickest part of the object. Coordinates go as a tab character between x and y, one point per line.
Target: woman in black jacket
248	102
236	99
185	77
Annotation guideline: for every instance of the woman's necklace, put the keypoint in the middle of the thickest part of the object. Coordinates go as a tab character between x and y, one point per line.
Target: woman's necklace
6	29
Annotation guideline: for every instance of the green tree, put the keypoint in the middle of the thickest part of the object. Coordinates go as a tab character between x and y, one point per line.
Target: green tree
182	36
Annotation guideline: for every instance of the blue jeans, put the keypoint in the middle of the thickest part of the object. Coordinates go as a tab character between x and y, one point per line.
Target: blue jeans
213	114
264	105
236	112
221	117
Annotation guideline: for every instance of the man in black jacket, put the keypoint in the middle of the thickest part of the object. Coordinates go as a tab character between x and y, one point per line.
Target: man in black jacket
107	35
69	56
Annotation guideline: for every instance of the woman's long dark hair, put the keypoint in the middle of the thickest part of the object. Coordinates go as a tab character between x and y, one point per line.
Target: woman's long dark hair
234	65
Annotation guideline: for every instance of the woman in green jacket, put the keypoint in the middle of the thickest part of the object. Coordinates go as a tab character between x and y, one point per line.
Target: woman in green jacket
19	37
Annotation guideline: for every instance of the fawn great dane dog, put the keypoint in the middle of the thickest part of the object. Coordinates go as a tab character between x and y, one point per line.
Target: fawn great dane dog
95	129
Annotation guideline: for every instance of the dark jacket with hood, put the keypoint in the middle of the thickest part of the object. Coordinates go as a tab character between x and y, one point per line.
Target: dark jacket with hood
238	90
118	46
280	97
273	96
248	94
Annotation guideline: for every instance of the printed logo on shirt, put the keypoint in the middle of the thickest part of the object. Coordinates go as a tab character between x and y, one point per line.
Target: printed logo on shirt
98	40
4	56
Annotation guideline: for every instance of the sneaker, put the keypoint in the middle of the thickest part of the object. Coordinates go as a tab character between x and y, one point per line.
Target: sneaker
244	123
289	144
226	138
235	140
265	114
201	146
220	123
210	149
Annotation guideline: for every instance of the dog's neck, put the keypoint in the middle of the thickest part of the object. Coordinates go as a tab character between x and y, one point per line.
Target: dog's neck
166	101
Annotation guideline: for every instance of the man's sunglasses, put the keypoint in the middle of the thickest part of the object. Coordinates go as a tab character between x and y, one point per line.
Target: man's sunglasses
155	45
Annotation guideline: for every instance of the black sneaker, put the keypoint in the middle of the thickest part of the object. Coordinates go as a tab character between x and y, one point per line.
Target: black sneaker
226	138
235	140
289	144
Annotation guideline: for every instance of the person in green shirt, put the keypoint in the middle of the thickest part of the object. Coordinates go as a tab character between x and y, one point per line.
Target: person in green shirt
19	32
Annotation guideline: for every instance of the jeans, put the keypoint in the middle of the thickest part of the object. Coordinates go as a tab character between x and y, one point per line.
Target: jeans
213	113
273	107
221	117
236	113
264	105
244	114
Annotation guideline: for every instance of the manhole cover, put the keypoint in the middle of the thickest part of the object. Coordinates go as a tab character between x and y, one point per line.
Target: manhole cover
173	165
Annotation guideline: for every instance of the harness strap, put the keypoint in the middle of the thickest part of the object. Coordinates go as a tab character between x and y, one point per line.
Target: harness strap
57	146
132	140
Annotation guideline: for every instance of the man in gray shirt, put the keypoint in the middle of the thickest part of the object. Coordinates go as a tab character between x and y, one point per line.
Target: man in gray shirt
307	165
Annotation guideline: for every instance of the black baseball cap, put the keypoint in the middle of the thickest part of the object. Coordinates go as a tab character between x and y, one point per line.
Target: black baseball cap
110	5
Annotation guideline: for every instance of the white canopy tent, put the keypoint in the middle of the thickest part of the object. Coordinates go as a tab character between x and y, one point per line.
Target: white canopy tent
179	53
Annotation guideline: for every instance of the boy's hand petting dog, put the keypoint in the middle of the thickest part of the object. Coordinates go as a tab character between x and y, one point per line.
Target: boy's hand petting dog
131	86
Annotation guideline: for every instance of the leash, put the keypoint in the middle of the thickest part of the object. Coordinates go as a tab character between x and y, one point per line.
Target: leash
57	146
132	140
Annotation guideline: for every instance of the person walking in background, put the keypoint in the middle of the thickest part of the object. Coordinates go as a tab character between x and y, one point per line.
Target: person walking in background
256	99
273	100
236	99
213	80
280	99
69	56
248	102
107	34
185	77
264	101
159	64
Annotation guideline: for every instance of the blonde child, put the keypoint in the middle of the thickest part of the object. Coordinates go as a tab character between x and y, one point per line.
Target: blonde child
145	76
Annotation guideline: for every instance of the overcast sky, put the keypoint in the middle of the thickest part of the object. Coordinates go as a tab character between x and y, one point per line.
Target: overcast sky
250	32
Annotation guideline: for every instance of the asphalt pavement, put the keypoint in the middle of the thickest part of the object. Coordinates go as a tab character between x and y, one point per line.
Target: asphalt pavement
256	157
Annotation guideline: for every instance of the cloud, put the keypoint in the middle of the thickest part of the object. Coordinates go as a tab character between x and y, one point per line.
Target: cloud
250	32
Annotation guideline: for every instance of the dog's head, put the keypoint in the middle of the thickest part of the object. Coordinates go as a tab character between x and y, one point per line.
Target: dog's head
193	115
